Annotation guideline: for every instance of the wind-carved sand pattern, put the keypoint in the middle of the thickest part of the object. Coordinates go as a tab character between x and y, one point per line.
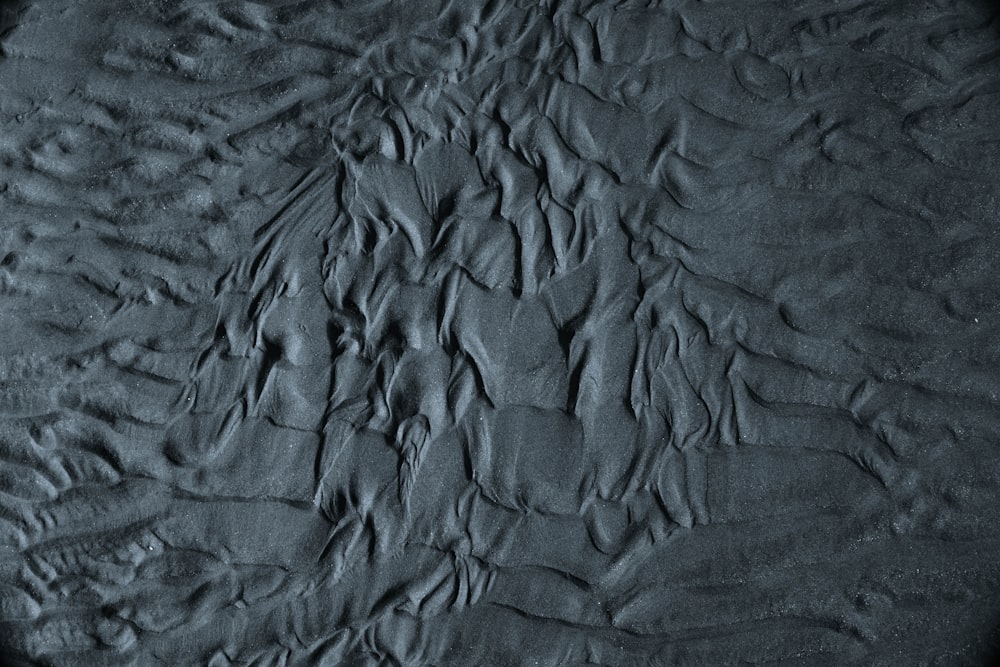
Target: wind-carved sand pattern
489	333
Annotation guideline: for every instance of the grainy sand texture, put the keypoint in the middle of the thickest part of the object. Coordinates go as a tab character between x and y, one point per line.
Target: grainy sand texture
499	332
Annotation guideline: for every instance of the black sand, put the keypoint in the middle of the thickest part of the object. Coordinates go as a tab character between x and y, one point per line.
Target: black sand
499	333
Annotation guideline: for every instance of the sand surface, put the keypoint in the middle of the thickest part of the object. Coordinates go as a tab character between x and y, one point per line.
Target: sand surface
499	332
